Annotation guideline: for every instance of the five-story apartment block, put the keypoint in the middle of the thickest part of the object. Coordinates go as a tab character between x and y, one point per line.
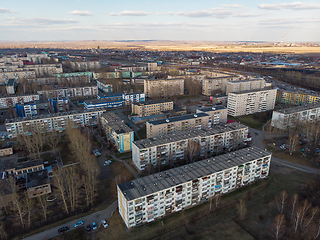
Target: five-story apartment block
175	147
155	196
151	107
179	123
218	113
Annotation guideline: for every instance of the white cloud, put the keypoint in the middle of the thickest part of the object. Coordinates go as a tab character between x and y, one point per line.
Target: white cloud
166	13
130	13
232	5
293	6
4	10
280	22
215	13
38	21
80	13
248	15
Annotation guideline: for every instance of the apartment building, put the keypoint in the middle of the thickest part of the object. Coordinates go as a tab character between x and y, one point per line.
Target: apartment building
11	86
104	86
102	103
151	107
44	69
6	151
56	121
155	196
152	66
245	85
21	169
117	131
130	98
211	86
174	147
160	88
27	109
179	123
249	102
69	92
19	74
291	117
296	98
58	105
218	113
38	183
107	75
6	102
85	66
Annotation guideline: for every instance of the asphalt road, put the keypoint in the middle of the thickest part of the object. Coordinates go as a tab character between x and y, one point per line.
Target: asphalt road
94	217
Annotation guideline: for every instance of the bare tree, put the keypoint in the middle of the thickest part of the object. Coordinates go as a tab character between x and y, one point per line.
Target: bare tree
293	205
217	198
293	143
296	218
242	209
44	205
53	139
59	181
16	199
73	184
309	218
29	204
278	227
192	151
3	232
281	201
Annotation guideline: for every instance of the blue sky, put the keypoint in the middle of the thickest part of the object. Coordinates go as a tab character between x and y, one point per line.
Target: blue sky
228	20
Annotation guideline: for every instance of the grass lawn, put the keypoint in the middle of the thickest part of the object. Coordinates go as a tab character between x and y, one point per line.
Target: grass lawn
123	155
256	120
199	223
118	168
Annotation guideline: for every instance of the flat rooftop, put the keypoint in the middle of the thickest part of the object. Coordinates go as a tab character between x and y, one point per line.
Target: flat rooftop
29	164
176	176
210	109
179	118
60	114
116	124
254	91
183	135
101	101
38	178
168	79
152	102
298	108
247	80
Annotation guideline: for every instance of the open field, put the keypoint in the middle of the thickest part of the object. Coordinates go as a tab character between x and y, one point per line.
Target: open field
221	223
165	46
256	120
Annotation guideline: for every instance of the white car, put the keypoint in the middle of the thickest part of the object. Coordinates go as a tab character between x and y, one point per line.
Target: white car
107	163
96	153
104	223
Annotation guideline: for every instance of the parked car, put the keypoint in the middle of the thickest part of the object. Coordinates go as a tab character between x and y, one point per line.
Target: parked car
96	153
88	228
63	229
94	226
78	224
104	223
107	162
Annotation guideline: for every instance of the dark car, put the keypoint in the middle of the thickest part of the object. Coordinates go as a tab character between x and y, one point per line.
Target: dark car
88	228
63	229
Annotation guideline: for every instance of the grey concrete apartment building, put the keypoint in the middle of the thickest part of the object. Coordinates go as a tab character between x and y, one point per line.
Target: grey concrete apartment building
174	147
249	102
245	85
292	117
151	107
162	88
218	113
179	123
147	199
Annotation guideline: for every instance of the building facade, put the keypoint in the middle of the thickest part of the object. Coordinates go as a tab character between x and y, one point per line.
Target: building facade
70	92
147	199
179	123
26	109
104	87
245	85
117	131
174	147
218	113
249	102
49	122
102	103
38	183
160	88
151	107
296	98
293	117
6	102
44	69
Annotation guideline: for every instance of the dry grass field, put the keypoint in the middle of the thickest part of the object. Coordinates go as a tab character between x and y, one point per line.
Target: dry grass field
166	46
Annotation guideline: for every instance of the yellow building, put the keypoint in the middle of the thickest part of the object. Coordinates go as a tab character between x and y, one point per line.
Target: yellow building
117	131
